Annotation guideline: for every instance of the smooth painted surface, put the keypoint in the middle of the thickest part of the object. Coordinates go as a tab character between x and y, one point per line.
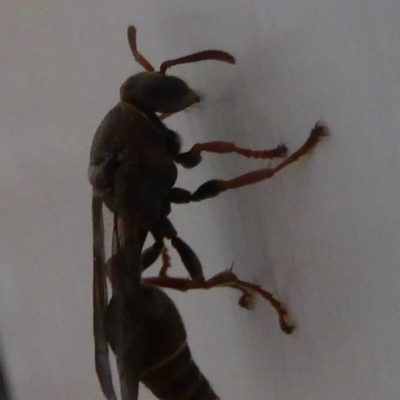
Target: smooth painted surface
323	235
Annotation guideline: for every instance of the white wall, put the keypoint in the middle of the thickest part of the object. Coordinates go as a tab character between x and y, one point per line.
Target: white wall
323	235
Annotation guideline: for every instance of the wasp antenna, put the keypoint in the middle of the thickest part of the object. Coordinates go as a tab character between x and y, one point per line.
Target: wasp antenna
216	55
139	58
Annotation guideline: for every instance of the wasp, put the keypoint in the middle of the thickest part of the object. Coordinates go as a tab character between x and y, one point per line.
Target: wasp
168	369
132	170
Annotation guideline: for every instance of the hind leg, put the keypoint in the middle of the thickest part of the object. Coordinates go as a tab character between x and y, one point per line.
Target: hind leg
225	279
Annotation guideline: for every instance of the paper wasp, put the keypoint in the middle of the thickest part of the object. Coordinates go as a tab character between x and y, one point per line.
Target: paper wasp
133	171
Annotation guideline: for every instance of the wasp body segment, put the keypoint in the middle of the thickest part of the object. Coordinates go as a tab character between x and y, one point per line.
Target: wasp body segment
168	371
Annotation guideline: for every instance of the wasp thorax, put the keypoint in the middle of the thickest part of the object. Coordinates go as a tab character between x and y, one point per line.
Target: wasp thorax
158	93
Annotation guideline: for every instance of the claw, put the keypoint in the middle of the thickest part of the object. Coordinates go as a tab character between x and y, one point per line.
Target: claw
320	129
283	150
246	301
288	329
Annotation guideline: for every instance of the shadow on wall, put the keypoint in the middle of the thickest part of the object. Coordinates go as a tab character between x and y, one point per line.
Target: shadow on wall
4	378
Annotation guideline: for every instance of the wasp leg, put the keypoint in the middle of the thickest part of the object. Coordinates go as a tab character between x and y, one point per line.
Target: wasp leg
192	157
151	254
214	187
164	229
166	263
225	279
277	305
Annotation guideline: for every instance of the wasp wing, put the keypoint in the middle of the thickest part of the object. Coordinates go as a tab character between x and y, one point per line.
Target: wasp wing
100	300
124	325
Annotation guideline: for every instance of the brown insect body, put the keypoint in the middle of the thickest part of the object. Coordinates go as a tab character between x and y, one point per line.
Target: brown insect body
131	167
168	368
133	171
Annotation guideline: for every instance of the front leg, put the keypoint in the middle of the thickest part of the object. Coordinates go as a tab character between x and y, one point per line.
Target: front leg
214	187
192	157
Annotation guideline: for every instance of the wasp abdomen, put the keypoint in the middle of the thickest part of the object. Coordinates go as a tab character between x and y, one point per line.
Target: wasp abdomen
178	379
168	370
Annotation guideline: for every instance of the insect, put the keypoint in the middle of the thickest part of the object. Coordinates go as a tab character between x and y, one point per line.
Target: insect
168	369
133	171
223	279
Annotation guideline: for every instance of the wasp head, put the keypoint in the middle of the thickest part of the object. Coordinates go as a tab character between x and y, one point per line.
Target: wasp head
155	92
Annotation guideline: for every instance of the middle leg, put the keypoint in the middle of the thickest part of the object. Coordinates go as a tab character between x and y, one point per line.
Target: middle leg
164	229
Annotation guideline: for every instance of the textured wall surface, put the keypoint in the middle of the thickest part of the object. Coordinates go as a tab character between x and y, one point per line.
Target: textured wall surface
323	235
